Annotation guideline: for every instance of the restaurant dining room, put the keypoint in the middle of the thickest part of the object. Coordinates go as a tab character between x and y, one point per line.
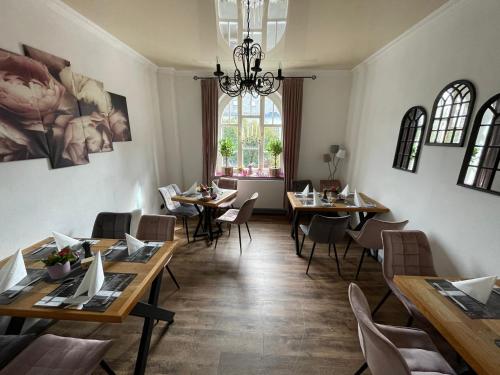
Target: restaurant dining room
243	187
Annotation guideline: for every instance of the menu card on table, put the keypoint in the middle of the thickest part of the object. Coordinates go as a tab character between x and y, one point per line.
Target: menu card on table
112	288
119	252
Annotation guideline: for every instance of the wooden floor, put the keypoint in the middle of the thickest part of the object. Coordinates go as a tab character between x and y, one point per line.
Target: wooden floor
255	313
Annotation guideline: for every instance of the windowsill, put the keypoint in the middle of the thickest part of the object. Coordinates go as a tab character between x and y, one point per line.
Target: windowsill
240	176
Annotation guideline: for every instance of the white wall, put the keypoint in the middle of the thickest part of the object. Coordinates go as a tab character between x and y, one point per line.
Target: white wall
36	199
459	41
324	119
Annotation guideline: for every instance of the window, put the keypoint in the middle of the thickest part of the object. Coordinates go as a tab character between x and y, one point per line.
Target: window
251	123
451	114
410	139
267	21
481	162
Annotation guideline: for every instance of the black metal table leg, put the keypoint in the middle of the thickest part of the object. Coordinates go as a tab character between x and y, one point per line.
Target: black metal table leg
296	233
150	312
15	326
363	217
208	223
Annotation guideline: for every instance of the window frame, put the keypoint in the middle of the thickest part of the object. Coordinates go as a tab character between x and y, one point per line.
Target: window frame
400	142
224	101
472	144
467	118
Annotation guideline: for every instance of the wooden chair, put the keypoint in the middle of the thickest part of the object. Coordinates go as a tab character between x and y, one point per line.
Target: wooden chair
158	228
238	216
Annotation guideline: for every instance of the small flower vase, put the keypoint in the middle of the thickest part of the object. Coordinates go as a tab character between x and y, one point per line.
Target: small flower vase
250	169
58	271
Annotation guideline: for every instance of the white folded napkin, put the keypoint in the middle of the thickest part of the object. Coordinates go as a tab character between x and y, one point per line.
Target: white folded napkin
358	201
192	189
316	199
133	244
93	279
13	271
306	190
479	289
63	241
215	188
345	192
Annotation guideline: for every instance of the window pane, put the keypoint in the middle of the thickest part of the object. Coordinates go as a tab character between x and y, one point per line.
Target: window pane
470	175
269	134
271	34
256	8
250	157
250	105
228	9
482	134
250	132
277	8
232	133
234	111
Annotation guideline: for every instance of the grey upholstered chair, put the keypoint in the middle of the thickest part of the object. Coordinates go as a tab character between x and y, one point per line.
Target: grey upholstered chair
370	236
394	350
231	184
49	354
325	230
111	225
183	211
300	185
158	228
239	216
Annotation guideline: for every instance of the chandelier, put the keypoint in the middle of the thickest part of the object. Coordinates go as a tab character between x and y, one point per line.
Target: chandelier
248	77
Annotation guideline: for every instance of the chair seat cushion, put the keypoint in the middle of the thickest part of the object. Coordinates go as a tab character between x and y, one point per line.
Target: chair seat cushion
304	228
57	355
12	345
421	361
229	216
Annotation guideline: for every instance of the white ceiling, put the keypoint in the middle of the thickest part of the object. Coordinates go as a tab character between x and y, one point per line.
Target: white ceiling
332	34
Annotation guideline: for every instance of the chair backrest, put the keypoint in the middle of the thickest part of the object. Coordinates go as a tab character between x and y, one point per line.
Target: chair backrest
246	209
407	252
371	233
156	228
167	192
381	355
228	183
325	229
111	225
300	185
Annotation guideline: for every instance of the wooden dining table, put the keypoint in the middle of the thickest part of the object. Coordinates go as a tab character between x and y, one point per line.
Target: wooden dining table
302	206
476	340
209	205
148	276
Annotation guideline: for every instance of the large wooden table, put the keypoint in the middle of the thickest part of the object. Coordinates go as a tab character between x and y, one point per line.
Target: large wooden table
473	339
128	303
206	215
299	209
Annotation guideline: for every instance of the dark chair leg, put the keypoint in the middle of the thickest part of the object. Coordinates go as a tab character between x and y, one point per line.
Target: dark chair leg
216	242
302	244
409	323
106	367
172	276
239	234
389	292
310	257
362	369
336	259
248	230
361	262
347	247
329	248
186	227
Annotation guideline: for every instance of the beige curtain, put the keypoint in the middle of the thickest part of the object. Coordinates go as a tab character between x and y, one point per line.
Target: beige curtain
210	117
292	123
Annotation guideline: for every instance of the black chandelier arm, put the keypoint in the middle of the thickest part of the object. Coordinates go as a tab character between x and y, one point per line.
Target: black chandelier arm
313	77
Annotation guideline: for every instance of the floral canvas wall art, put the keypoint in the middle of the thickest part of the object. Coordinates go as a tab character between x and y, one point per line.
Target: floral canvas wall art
118	118
62	123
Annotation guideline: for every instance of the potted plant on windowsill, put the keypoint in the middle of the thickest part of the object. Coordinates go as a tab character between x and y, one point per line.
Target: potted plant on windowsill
59	263
227	149
275	148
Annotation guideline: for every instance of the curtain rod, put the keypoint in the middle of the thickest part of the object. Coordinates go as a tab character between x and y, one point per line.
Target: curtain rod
313	77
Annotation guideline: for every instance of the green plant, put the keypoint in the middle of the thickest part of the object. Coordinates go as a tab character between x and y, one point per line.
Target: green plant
275	148
227	148
63	256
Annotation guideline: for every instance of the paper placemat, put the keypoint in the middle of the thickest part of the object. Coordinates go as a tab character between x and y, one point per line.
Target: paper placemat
119	252
114	285
472	308
11	294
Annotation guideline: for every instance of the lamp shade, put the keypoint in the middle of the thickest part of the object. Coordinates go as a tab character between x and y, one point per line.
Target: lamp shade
327	158
341	154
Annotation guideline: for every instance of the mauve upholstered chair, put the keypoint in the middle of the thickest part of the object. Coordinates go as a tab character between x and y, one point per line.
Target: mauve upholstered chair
183	211
324	230
112	225
158	228
238	216
405	253
370	236
231	184
55	355
394	350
